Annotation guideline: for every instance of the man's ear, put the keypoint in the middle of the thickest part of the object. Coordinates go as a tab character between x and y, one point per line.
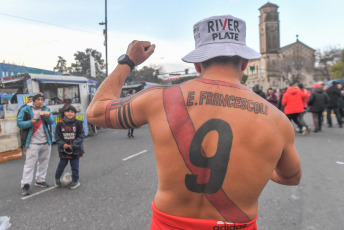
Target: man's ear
244	63
198	67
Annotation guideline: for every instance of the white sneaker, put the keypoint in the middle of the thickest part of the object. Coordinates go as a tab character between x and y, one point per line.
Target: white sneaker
304	130
74	185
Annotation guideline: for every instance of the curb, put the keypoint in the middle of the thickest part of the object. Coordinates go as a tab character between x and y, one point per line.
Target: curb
11	155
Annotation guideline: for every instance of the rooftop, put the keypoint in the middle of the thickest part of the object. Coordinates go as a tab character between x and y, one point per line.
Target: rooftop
269	4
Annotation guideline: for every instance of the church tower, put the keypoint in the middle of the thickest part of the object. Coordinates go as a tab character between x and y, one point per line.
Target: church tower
269	35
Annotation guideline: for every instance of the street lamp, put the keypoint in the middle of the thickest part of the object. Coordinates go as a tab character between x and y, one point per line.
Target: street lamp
105	35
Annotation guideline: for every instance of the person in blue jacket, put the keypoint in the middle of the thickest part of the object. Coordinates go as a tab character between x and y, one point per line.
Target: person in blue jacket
37	118
69	136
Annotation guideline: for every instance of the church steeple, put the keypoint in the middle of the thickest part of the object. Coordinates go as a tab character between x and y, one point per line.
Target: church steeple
269	29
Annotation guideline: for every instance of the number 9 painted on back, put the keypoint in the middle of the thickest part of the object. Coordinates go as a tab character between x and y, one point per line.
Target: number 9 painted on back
217	164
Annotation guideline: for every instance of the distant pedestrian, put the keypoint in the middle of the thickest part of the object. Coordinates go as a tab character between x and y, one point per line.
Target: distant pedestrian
293	106
131	130
271	97
66	103
334	94
341	101
317	103
29	100
38	142
305	100
279	102
341	105
69	137
258	91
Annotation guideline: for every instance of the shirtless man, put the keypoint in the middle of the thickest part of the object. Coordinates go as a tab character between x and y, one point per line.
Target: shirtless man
217	144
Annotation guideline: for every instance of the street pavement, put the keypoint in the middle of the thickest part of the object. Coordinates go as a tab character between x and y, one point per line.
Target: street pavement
118	183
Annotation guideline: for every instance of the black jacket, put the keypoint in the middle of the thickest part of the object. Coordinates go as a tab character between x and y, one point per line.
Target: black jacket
334	93
318	101
259	92
77	144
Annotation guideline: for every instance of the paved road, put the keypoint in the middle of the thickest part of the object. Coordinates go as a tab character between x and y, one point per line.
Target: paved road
118	182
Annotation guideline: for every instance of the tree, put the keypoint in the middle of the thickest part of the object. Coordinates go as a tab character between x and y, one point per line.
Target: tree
133	76
326	58
146	73
180	80
337	70
61	65
244	79
81	67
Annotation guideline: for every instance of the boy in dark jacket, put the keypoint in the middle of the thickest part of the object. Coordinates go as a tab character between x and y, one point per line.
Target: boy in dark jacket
317	102
69	137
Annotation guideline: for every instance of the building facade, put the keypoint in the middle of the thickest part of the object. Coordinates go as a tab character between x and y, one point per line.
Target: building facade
279	66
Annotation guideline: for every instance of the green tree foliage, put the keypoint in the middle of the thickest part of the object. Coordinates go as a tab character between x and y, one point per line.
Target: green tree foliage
146	73
183	79
326	58
81	67
337	70
244	79
61	65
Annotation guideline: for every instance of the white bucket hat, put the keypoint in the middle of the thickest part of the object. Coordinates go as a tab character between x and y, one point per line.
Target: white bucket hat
220	36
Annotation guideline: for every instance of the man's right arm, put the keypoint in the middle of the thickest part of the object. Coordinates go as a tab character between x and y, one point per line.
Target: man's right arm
107	109
288	169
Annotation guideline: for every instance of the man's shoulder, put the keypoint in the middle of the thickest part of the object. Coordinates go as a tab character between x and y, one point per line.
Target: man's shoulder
276	117
151	91
25	109
21	108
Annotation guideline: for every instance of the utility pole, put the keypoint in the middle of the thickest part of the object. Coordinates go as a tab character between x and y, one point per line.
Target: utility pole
105	35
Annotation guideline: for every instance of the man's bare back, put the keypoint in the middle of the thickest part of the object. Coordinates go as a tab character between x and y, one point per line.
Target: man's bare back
227	117
241	138
216	143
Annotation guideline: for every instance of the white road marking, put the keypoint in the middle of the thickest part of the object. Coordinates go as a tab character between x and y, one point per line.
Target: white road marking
339	162
134	155
37	193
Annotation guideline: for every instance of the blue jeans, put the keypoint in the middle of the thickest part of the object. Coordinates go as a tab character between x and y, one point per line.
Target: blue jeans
74	164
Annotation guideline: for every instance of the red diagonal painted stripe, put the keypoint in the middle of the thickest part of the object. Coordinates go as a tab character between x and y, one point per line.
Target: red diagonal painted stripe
182	129
224	25
36	126
183	133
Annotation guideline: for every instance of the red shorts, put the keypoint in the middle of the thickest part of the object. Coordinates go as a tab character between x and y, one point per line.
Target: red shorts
162	221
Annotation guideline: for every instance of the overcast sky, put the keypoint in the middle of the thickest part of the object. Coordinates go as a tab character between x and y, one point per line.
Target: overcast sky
35	32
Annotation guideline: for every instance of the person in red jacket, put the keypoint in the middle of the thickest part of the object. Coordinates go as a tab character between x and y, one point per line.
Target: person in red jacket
293	105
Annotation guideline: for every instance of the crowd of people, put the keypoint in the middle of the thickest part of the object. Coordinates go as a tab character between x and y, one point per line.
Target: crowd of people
322	101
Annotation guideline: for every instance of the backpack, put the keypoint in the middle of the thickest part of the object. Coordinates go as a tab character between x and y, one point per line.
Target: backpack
49	129
24	132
